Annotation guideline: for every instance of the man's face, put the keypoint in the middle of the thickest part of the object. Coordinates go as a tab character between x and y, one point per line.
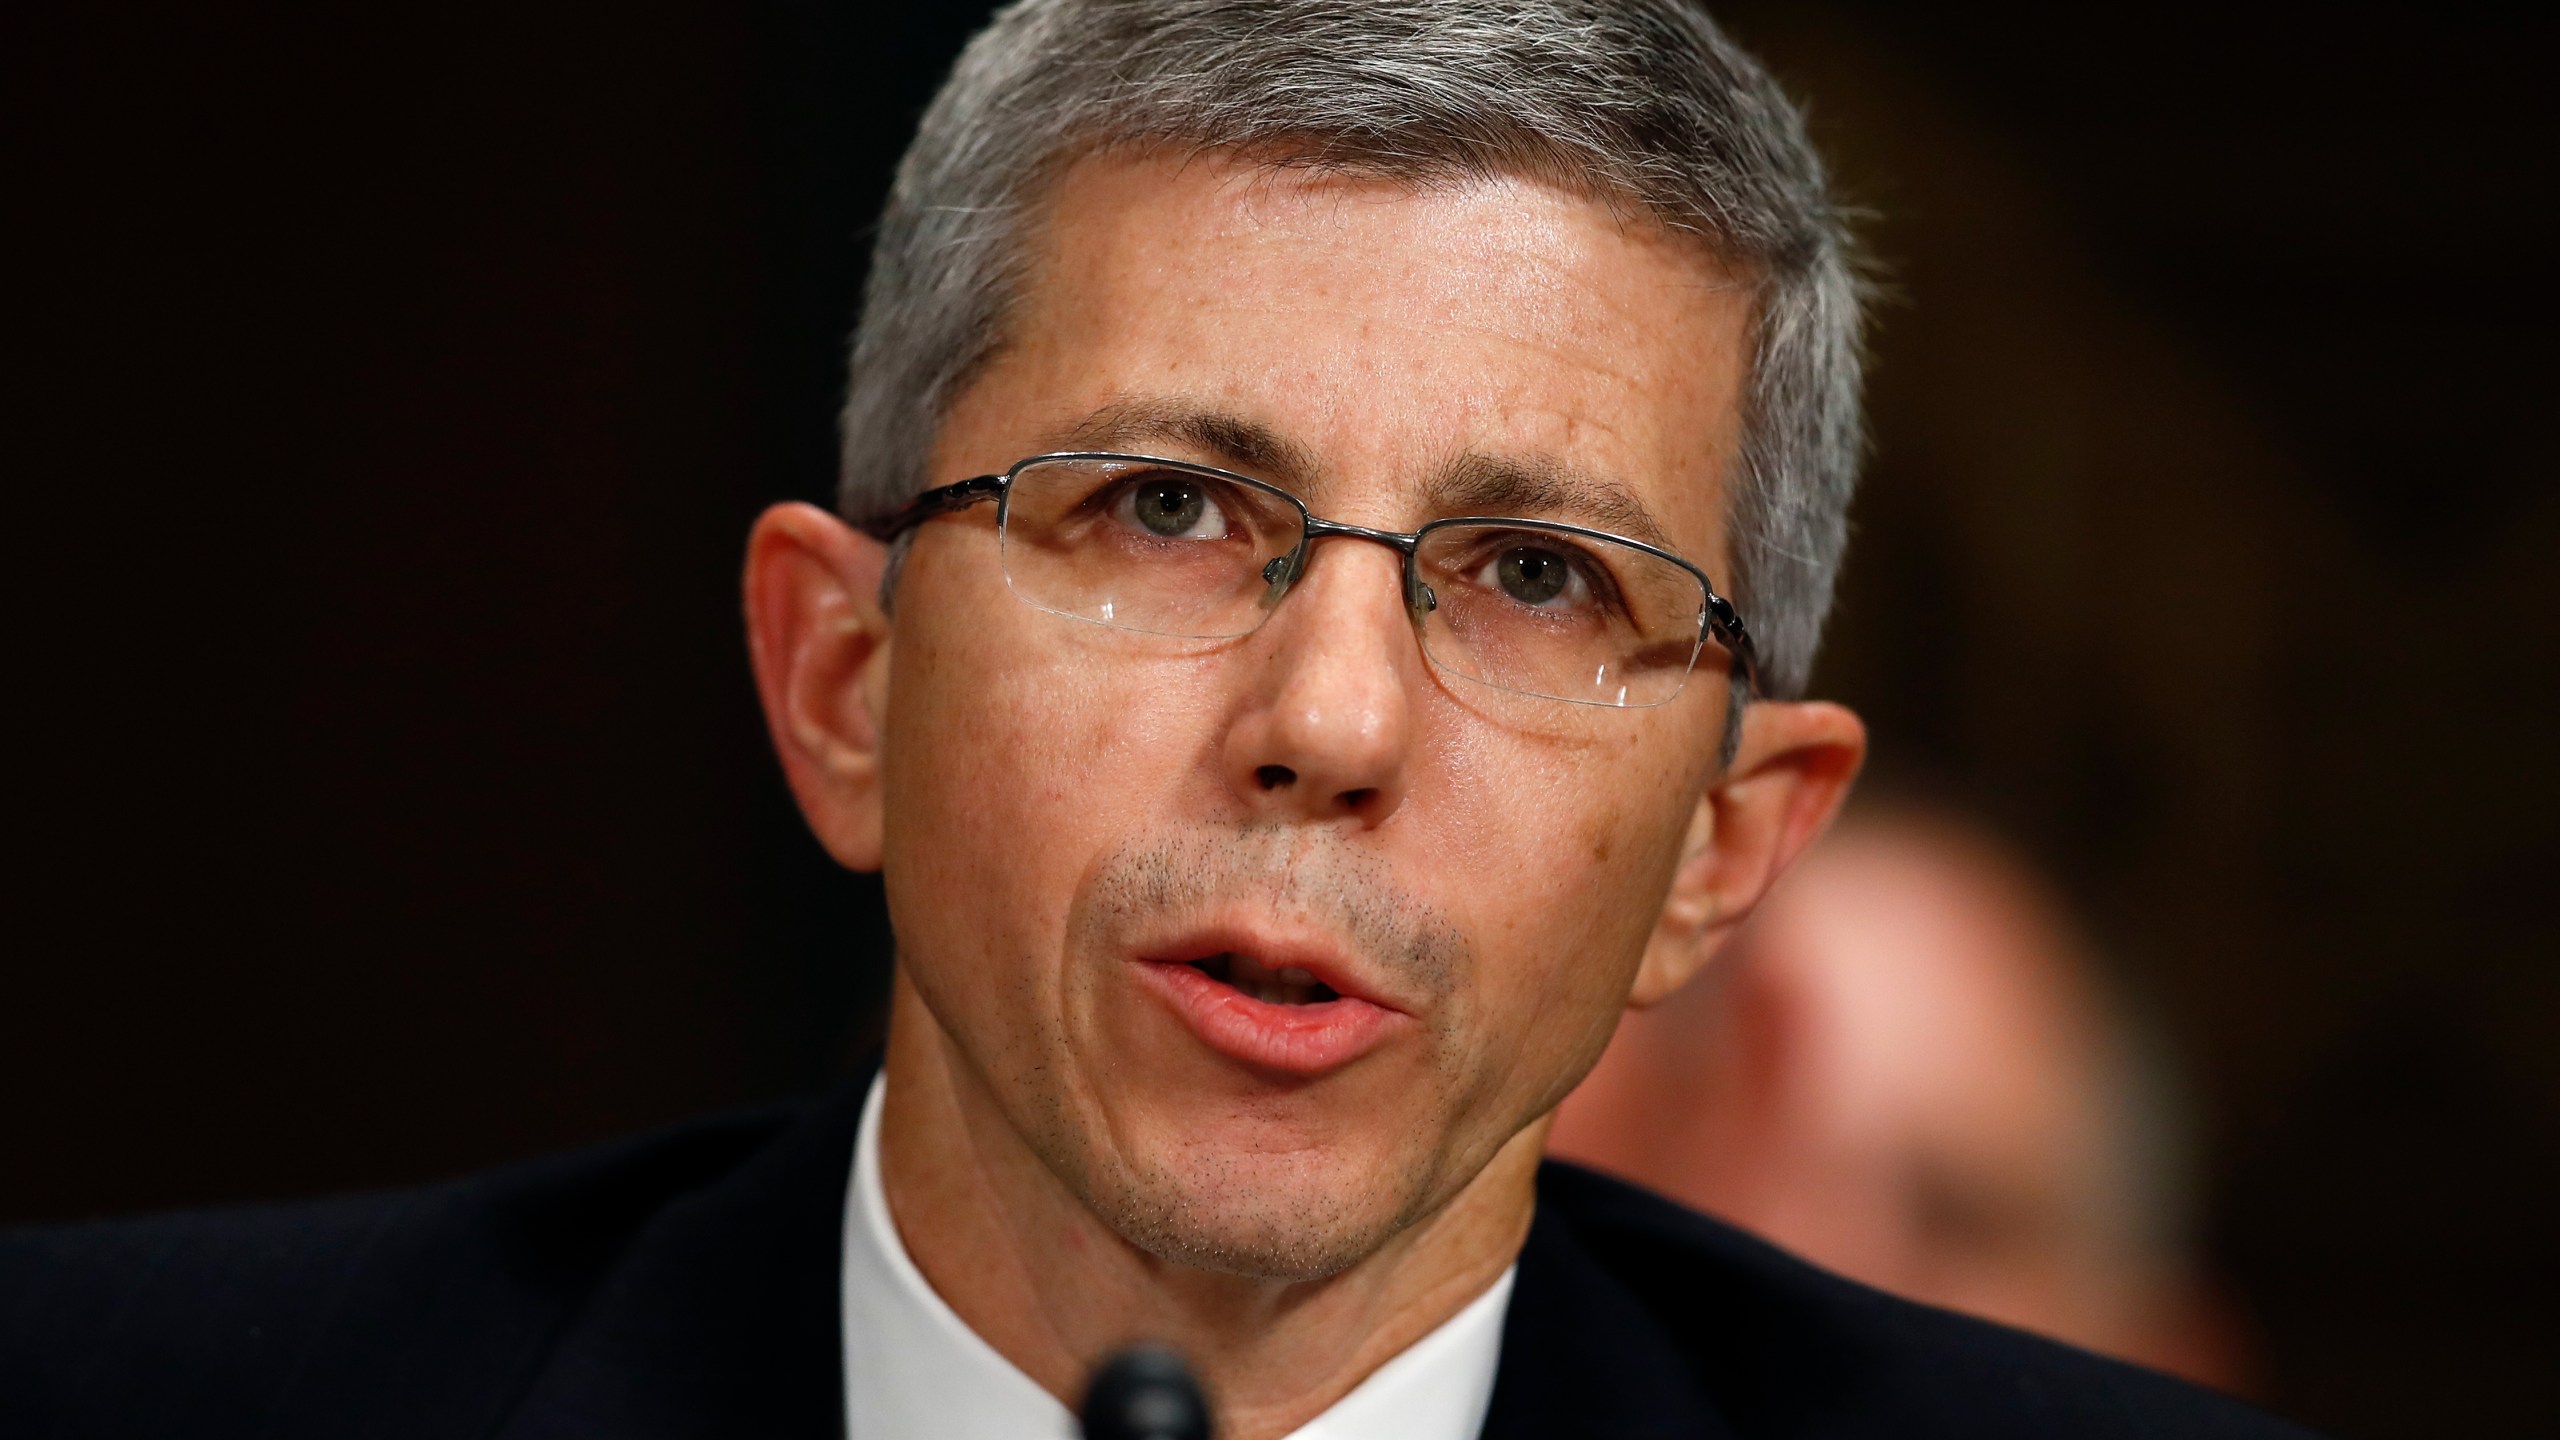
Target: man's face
1266	946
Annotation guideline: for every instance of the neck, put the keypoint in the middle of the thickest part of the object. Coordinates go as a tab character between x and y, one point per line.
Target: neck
1020	1258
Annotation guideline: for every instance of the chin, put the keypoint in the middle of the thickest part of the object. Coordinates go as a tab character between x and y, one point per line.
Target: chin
1293	1216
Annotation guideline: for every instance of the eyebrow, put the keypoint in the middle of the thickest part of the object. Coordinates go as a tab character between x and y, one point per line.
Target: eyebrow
1230	439
1475	483
1539	488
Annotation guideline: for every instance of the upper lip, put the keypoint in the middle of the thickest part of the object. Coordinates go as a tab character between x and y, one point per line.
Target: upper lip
1328	963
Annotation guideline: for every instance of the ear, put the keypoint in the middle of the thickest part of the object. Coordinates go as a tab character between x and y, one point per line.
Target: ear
1786	781
821	647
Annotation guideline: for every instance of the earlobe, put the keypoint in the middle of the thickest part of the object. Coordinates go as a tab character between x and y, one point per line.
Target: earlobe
820	644
1794	767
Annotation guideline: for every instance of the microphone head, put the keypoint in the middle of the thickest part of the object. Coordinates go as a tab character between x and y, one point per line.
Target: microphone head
1145	1392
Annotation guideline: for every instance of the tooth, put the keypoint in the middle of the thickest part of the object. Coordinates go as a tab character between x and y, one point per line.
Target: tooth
1292	975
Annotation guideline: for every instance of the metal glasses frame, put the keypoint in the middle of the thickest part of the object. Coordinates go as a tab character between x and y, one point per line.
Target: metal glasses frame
1718	620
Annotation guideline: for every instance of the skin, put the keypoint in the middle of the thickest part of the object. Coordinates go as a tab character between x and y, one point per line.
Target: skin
1070	1164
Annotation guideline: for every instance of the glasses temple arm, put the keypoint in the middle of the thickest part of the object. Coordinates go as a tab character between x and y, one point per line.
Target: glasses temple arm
940	501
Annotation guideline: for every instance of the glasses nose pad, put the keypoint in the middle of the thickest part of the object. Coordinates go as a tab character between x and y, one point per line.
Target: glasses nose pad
1278	575
1418	597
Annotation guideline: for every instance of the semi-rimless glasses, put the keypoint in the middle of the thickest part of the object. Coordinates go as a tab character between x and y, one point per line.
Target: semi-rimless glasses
1164	547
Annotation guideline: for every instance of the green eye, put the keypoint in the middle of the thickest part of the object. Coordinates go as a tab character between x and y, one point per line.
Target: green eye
1170	508
1532	576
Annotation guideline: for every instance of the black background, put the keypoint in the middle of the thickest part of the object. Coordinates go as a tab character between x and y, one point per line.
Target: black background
389	391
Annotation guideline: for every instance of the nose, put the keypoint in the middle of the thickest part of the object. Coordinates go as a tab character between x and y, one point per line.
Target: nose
1324	730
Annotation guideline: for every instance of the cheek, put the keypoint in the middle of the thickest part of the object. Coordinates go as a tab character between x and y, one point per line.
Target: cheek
1015	758
1563	863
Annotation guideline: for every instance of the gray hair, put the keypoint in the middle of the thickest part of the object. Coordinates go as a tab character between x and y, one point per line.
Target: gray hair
1639	103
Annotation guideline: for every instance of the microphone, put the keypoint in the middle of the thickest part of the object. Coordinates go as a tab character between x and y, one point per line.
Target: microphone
1145	1392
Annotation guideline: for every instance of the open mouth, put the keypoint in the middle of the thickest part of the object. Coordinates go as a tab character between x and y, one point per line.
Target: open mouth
1272	985
1276	1017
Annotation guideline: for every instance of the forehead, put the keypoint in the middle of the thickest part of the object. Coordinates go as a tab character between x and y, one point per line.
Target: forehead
1381	345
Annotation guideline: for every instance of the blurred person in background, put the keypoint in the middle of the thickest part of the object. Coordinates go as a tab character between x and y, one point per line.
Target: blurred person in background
1909	1068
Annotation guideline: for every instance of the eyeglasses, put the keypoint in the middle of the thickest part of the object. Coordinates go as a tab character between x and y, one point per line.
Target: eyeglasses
1163	547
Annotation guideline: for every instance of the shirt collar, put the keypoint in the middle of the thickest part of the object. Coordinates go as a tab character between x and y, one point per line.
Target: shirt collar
914	1368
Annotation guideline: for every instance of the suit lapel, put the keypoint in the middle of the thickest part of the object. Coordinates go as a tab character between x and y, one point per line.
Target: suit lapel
722	1318
1581	1355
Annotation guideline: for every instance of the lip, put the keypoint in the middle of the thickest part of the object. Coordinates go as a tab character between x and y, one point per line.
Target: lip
1300	1040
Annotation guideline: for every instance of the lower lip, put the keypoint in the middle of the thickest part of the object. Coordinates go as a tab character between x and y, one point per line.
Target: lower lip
1295	1039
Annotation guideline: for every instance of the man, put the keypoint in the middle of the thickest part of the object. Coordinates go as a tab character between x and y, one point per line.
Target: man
1907	1069
1311	466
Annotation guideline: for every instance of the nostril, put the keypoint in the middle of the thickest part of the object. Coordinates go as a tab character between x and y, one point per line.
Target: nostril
1357	799
1274	777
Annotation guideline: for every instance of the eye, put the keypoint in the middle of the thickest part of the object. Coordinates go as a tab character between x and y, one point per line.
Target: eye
1173	507
1539	576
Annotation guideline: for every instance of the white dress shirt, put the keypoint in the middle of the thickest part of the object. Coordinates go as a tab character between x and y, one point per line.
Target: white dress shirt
914	1370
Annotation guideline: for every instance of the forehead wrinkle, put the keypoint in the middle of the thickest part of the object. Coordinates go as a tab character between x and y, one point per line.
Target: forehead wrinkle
1227	438
1538	487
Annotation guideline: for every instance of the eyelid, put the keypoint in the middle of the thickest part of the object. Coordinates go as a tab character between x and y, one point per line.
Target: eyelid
1119	480
1586	562
1225	496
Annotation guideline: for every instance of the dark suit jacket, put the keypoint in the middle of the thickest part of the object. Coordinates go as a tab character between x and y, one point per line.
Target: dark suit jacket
685	1285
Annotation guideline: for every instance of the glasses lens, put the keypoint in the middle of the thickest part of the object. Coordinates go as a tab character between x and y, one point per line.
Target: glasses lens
1559	613
1146	544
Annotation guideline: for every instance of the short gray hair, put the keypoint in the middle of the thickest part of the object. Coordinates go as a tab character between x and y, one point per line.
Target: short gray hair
1640	103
